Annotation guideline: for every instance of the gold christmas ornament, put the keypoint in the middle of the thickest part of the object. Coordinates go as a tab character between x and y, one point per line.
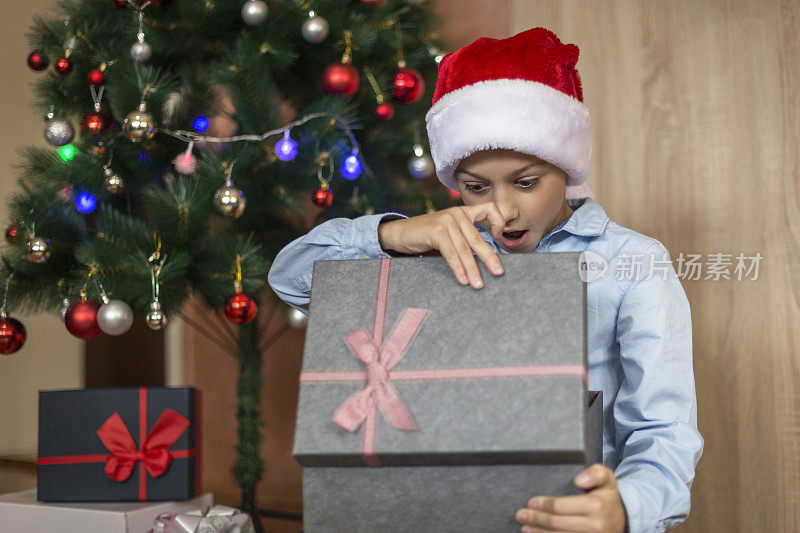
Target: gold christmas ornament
138	126
38	249
156	319
229	200
113	182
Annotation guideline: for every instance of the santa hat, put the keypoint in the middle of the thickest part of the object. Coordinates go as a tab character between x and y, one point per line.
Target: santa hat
521	93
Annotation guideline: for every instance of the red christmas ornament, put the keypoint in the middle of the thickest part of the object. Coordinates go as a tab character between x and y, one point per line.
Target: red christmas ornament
63	65
81	319
384	111
93	123
407	85
240	308
12	335
12	234
38	60
340	78
323	197
97	78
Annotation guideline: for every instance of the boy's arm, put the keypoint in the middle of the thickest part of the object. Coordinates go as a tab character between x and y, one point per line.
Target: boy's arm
338	238
656	408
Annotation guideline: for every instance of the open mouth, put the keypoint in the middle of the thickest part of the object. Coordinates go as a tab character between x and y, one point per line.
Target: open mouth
514	239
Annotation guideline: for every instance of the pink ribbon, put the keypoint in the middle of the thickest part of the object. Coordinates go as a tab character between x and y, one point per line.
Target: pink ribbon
379	390
379	358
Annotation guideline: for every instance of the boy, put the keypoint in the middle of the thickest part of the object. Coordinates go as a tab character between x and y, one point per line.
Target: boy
509	130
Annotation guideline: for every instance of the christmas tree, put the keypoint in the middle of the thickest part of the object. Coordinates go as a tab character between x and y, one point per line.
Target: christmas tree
190	140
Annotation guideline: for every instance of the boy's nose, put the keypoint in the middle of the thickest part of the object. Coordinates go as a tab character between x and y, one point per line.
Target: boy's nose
508	210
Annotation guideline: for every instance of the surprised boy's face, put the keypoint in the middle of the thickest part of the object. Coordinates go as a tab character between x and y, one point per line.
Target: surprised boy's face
528	191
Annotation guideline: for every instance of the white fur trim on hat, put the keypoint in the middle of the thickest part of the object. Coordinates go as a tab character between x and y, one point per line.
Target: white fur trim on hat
522	115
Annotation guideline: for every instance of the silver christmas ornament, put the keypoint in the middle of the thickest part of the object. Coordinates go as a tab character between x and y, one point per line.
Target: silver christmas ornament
114	317
65	303
315	28
114	183
229	200
254	12
38	250
58	131
140	50
138	125
156	319
296	319
421	165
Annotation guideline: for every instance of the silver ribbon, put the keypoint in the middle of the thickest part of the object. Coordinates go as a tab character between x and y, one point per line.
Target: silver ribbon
218	519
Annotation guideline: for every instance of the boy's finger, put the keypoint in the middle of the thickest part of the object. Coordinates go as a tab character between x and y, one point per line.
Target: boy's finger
579	504
465	254
450	255
553	522
595	475
483	250
488	211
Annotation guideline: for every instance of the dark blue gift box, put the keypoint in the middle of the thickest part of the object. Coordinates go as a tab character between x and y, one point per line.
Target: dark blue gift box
119	444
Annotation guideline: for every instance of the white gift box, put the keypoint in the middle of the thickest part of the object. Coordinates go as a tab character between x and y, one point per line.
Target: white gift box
19	511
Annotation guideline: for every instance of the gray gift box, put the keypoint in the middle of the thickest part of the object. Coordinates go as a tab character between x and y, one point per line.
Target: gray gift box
426	405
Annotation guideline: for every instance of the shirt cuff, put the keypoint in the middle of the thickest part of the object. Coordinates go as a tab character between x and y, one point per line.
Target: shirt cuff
364	237
632	502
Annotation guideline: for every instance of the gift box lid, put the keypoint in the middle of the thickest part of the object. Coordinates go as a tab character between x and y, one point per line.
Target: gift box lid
456	375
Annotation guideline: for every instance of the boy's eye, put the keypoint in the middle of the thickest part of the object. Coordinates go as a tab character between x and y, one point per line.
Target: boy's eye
473	188
525	183
528	182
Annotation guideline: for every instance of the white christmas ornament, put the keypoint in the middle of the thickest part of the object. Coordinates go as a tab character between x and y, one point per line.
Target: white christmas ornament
315	29
254	12
114	317
58	131
420	165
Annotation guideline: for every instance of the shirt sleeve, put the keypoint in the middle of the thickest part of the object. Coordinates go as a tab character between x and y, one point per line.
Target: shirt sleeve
338	238
656	407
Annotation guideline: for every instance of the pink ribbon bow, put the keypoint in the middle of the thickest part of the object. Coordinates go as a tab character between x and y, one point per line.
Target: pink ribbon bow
379	389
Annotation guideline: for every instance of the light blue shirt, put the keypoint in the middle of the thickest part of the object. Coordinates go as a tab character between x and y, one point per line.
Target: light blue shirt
639	339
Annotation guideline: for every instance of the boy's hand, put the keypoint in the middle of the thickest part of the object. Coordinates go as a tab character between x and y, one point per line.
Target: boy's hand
453	234
599	510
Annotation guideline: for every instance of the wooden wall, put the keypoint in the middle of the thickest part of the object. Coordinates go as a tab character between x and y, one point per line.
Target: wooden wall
696	122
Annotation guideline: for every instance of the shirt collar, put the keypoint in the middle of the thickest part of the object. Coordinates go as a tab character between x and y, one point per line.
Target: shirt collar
588	220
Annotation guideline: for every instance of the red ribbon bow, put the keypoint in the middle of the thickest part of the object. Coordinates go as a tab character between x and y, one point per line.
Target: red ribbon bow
379	389
154	452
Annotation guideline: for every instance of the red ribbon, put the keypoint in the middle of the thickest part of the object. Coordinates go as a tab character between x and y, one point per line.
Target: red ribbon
154	453
379	392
